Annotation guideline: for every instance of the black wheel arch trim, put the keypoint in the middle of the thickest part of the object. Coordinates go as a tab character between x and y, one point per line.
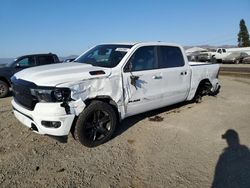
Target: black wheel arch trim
106	99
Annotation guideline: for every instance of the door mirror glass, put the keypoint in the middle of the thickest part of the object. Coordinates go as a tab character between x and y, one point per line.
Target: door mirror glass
128	67
17	65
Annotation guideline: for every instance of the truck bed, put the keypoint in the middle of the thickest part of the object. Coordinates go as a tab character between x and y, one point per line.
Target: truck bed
193	63
203	71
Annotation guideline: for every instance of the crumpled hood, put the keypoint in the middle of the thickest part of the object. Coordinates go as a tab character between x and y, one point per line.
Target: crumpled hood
55	74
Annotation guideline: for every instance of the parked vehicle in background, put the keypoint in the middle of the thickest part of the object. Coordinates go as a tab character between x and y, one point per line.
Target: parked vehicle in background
69	60
194	52
105	85
204	56
222	53
235	57
193	56
23	62
246	60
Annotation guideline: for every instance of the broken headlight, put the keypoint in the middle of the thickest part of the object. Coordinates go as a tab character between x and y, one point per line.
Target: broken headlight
62	94
51	94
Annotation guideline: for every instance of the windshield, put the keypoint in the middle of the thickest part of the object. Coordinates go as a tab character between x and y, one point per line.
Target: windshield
104	55
10	64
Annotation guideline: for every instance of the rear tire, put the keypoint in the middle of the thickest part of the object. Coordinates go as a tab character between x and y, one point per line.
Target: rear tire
198	96
4	89
96	124
203	89
213	60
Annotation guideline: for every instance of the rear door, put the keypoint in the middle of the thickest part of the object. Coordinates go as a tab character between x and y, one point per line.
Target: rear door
142	81
176	75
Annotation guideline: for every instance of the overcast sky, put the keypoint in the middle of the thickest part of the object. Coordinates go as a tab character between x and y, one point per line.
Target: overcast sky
70	27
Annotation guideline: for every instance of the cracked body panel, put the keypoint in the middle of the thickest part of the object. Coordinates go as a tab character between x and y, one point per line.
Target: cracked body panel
109	86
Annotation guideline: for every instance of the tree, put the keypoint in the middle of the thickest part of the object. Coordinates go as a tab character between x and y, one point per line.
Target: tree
243	36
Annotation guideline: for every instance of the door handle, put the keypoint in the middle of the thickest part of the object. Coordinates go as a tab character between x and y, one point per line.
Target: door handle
157	77
184	73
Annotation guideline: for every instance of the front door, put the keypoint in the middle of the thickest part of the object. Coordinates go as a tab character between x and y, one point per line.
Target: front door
142	81
24	62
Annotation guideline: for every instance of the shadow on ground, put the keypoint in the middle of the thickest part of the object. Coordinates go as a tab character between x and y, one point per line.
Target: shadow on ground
130	121
233	167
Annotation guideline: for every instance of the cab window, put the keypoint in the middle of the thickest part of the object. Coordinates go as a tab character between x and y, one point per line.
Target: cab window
143	59
56	60
170	56
45	60
26	62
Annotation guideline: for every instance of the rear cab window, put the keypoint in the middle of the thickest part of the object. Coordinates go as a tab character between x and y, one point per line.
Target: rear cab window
56	60
169	57
45	60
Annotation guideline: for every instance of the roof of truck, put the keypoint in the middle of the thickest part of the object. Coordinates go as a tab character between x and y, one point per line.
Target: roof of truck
41	54
141	43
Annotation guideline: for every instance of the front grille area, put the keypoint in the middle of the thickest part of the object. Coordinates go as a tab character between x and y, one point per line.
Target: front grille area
22	94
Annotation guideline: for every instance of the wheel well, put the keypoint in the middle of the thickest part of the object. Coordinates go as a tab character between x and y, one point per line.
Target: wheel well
105	99
205	83
204	87
5	80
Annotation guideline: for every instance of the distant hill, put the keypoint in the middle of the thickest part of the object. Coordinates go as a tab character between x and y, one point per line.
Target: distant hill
6	60
212	47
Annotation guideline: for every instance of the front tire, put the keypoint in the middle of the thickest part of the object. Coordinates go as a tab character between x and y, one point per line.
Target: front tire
4	89
96	124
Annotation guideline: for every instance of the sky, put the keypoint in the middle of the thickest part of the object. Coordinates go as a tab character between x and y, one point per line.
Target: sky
68	27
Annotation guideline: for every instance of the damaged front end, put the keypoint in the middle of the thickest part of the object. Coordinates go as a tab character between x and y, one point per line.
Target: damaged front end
52	110
51	95
107	86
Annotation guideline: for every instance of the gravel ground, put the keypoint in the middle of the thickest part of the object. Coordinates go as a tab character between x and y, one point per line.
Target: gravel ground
178	148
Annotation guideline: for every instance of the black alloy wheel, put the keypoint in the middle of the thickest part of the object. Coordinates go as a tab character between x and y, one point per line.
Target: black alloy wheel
4	89
95	124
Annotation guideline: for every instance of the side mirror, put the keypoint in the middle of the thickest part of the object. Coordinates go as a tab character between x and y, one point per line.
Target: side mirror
128	67
17	65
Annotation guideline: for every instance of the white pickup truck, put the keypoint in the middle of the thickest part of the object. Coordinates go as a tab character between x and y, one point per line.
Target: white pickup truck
106	84
222	53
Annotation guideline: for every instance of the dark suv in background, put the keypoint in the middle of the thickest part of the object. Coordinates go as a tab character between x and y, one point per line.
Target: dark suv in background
27	61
